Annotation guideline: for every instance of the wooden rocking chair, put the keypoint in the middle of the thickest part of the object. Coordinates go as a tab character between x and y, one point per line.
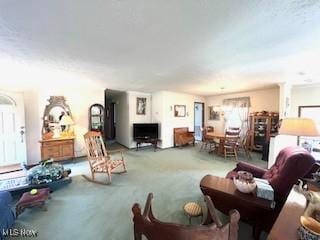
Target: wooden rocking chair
99	158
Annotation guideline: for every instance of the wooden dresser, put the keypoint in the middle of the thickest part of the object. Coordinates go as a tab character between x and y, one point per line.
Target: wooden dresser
57	148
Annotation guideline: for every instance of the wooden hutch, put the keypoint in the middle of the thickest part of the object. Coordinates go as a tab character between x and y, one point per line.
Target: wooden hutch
262	126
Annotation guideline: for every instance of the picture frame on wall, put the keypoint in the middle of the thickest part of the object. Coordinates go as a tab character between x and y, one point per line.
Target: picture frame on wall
141	106
214	114
179	110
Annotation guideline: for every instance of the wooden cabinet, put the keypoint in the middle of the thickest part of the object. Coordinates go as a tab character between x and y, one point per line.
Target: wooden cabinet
58	149
262	128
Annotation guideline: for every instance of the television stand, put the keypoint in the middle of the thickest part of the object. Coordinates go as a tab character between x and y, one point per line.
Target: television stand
153	141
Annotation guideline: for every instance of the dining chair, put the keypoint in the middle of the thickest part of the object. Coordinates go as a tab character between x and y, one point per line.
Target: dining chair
230	144
207	141
234	129
243	144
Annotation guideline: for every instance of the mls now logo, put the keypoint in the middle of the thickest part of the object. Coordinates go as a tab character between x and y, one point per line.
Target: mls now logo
19	233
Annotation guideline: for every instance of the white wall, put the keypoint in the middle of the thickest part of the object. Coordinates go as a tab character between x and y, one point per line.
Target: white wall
122	116
163	111
79	102
304	96
33	119
261	100
133	116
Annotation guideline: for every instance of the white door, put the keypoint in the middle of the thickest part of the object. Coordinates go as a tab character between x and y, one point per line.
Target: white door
12	129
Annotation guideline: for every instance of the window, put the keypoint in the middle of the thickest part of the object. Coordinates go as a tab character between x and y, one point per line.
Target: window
236	113
6	100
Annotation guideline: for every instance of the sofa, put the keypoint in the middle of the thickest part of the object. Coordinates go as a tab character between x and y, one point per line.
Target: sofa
182	136
6	214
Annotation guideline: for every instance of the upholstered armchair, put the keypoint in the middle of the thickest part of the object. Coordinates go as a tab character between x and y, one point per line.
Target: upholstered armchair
291	164
145	224
182	136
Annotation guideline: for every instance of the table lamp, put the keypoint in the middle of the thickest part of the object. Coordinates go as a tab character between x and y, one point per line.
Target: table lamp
305	127
299	127
65	123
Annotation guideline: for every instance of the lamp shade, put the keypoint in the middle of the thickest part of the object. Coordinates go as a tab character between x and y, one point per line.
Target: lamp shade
299	127
66	120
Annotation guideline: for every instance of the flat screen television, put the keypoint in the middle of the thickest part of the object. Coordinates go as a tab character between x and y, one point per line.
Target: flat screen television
145	130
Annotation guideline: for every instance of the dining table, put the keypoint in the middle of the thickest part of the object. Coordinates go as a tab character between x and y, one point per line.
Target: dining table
218	136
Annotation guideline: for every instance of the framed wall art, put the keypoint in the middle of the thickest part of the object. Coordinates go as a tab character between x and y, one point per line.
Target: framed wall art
214	114
141	106
179	110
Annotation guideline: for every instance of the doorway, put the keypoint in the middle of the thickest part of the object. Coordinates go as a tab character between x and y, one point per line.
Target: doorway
113	101
198	120
12	129
110	120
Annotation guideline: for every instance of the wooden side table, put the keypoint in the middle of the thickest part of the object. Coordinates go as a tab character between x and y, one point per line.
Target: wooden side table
225	197
153	141
288	221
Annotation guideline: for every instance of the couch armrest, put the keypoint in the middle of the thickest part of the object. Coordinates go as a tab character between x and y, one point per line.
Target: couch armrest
256	171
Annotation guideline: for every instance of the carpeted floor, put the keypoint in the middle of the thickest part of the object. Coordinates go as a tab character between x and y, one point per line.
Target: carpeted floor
84	210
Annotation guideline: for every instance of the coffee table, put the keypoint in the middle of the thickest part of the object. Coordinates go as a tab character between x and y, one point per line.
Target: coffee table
21	184
226	197
153	141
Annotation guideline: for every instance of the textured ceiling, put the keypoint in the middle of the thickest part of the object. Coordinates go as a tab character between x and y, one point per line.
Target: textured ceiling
194	46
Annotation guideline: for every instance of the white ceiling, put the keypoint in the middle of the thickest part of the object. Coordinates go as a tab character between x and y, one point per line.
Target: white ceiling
194	46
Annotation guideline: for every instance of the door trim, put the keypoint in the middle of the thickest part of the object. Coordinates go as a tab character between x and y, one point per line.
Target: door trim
194	114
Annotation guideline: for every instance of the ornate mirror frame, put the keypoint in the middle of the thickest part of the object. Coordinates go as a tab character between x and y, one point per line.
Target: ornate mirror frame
54	101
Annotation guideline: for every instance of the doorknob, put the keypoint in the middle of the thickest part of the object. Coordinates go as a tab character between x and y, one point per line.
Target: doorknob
22	132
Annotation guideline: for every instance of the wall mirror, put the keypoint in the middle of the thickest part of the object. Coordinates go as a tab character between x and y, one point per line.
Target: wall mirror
96	118
57	119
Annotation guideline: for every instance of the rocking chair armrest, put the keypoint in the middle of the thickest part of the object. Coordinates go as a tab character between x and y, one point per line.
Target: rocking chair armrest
234	224
147	207
212	212
115	151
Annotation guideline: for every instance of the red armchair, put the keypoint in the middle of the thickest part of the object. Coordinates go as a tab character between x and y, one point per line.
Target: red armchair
291	164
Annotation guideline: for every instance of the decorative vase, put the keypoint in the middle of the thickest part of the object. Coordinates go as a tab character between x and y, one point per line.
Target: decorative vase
244	182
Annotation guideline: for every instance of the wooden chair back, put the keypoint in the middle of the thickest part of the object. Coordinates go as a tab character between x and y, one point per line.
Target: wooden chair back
205	131
153	229
96	149
232	137
246	138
